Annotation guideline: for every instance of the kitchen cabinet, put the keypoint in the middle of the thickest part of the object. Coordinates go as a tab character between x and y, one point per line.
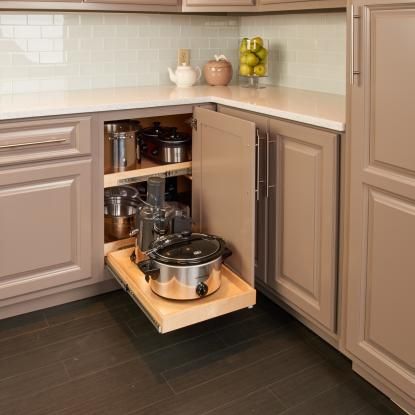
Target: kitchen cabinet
137	2
297	214
304	269
381	214
280	5
223	203
218	5
45	227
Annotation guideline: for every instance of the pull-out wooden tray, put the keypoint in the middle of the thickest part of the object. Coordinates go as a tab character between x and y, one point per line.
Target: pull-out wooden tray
167	315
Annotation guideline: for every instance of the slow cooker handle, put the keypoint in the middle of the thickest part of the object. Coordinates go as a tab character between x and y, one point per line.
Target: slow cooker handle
226	253
149	269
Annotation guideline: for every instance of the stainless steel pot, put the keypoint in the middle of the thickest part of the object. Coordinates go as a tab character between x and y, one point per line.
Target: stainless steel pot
120	207
185	266
122	151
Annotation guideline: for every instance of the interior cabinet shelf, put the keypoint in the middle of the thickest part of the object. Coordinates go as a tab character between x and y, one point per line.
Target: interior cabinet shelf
116	245
148	168
168	315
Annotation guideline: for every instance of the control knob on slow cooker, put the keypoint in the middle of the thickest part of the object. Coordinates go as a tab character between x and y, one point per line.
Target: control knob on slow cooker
201	289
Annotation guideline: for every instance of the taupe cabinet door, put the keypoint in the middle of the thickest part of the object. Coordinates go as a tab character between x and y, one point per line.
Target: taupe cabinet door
223	185
45	227
303	262
218	5
381	246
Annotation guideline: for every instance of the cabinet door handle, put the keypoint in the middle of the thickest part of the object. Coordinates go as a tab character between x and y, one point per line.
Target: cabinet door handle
353	39
267	165
33	143
257	164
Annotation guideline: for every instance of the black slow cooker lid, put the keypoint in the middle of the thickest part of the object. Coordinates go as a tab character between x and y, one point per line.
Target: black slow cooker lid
187	249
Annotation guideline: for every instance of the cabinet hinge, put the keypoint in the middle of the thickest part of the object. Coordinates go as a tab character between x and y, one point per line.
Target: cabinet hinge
193	123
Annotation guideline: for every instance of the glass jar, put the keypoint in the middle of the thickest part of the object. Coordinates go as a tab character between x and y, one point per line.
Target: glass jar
253	61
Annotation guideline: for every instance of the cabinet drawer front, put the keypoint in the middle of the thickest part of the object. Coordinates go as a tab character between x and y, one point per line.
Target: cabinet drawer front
46	139
168	315
220	3
45	227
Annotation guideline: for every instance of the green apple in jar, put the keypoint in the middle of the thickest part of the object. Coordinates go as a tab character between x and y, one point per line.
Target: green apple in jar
246	70
255	44
251	59
260	70
262	54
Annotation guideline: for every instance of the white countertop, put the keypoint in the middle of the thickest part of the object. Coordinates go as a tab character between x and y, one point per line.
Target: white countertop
314	108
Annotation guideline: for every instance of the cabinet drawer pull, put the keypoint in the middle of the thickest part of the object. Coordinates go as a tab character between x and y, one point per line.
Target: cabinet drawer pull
257	164
33	143
353	40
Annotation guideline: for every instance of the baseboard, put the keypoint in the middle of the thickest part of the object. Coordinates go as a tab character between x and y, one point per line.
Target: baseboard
380	383
330	338
58	298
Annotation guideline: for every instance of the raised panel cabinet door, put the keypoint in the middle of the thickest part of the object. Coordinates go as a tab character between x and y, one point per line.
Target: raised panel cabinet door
261	223
223	185
277	5
137	2
305	255
45	227
380	271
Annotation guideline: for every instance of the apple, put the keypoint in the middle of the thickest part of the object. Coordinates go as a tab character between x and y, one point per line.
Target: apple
262	54
243	58
246	70
251	59
260	70
255	44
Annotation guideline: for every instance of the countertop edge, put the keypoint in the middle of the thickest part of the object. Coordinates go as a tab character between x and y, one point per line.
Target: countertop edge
292	116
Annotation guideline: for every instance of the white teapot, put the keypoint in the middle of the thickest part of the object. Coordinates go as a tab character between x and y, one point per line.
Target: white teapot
185	76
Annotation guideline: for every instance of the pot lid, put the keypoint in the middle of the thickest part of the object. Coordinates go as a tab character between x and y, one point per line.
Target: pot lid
175	137
187	249
129	192
156	130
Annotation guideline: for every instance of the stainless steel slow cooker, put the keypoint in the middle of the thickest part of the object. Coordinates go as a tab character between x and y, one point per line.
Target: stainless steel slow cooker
185	266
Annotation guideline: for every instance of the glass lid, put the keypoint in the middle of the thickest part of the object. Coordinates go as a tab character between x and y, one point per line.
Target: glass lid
187	249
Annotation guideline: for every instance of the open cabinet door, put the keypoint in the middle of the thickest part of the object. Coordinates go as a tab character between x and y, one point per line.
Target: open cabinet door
223	189
223	186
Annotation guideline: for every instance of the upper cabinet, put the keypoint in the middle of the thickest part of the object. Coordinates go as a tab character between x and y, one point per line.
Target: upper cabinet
381	262
281	5
219	5
148	3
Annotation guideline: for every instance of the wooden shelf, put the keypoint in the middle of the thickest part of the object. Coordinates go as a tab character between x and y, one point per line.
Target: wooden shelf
116	245
148	168
167	315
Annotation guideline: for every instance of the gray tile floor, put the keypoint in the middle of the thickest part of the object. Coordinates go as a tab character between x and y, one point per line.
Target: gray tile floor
102	356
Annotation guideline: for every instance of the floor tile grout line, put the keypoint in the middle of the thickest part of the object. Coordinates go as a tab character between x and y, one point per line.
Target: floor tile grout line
49	325
112	324
227	347
233	400
299	373
238	369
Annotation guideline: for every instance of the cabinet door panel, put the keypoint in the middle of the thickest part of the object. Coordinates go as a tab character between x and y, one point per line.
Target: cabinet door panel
220	2
390	277
45	227
381	222
223	186
138	2
305	270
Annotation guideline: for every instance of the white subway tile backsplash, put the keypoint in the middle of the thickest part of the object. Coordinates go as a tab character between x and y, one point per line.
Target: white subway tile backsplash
55	51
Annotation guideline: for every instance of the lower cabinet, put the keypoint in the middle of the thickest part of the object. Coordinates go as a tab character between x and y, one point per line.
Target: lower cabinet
45	227
223	204
302	250
296	215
